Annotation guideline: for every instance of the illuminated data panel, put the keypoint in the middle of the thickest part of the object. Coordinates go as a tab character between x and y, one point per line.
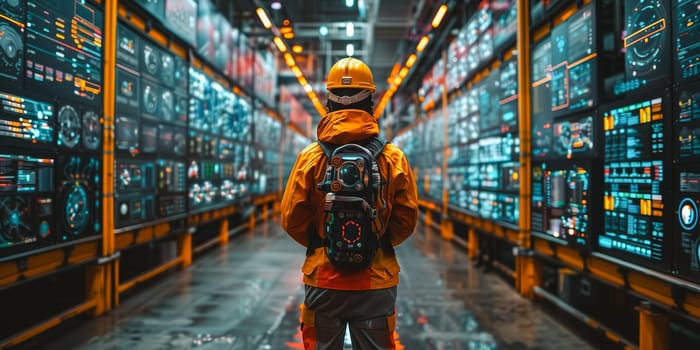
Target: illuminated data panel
11	42
26	203
686	38
541	98
509	96
505	13
573	58
633	176
687	242
27	120
688	124
64	49
79	197
574	137
646	43
561	195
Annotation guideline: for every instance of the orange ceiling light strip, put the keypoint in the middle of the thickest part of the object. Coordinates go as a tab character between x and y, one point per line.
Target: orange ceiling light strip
264	18
281	46
439	15
422	43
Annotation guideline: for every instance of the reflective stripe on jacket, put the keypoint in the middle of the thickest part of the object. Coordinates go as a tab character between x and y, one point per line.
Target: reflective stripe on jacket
302	203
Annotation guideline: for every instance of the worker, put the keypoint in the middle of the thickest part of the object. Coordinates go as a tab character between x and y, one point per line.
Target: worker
339	297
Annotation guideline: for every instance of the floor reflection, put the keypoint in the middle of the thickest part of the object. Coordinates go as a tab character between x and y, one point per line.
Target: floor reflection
247	296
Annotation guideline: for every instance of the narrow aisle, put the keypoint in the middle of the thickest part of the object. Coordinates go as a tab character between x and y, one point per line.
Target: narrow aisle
247	296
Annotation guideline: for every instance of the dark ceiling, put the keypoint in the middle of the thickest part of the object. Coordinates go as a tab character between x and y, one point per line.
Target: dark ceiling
385	33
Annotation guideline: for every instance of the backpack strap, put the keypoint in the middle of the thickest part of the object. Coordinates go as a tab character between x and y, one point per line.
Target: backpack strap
375	145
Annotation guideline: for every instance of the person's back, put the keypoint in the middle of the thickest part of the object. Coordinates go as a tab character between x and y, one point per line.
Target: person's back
364	298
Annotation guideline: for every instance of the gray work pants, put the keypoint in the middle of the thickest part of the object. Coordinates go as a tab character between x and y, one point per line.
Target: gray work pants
368	314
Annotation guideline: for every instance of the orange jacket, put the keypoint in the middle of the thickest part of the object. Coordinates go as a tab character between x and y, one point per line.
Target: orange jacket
302	204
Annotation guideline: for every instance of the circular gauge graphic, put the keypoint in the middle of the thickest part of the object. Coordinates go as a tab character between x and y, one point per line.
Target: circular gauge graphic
150	99
14	213
167	106
10	49
68	126
76	210
646	39
167	70
688	214
151	59
92	130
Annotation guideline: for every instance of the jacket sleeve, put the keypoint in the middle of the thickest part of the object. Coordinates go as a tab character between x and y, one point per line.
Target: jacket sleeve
404	214
296	208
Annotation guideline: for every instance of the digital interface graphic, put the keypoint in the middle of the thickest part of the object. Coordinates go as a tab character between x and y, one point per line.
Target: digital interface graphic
686	38
64	49
687	144
79	197
687	251
26	202
25	119
634	174
573	137
78	126
561	202
646	42
12	28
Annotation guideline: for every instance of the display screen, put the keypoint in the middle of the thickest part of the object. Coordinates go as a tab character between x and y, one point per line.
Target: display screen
127	134
687	38
64	48
634	131
509	96
511	210
688	124
200	95
25	119
505	23
489	97
78	128
646	42
149	138
561	202
11	41
128	47
172	176
540	98
633	176
687	252
181	18
79	197
127	93
26	201
574	137
573	58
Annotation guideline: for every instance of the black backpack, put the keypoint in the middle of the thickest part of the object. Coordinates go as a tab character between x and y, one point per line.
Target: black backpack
352	184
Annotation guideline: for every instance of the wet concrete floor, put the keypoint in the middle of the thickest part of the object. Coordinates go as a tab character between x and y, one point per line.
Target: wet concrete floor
247	295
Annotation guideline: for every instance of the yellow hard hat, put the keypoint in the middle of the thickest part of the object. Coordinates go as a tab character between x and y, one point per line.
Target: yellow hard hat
350	72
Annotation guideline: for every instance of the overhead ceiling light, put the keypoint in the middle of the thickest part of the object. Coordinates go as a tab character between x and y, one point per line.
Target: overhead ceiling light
350	29
411	60
280	44
307	88
350	49
297	48
422	43
264	18
289	59
439	15
323	30
349	3
297	71
276	5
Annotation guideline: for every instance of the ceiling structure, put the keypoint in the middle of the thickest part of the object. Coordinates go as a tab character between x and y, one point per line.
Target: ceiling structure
383	34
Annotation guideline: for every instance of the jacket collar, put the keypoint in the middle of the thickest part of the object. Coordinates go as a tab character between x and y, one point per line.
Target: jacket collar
346	125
